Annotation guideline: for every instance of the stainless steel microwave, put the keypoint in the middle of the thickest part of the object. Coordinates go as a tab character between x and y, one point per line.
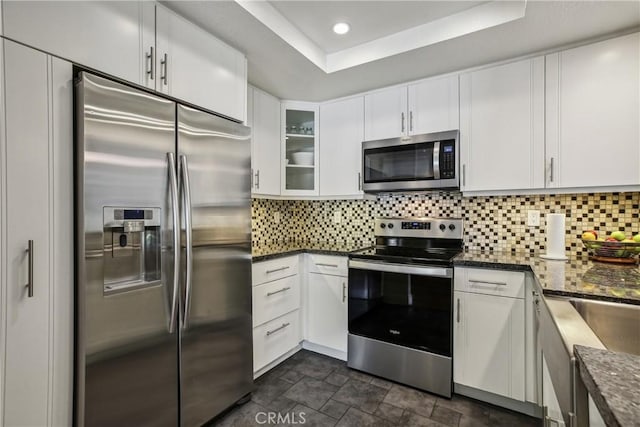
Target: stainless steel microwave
412	163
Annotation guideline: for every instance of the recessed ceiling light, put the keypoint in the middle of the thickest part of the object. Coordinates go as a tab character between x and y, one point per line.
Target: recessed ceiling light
341	28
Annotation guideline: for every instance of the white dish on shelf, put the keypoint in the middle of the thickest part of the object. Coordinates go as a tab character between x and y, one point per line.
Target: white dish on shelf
302	158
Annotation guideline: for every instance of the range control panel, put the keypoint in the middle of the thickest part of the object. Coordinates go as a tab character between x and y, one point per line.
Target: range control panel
445	228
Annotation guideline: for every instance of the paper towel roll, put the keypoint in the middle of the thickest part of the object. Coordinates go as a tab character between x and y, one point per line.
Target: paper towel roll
555	237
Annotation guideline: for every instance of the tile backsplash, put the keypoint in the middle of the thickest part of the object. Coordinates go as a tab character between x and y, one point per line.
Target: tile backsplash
491	223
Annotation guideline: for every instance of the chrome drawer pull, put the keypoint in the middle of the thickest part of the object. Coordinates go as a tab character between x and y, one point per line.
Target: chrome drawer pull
319	264
484	282
344	291
277	292
284	325
458	315
277	269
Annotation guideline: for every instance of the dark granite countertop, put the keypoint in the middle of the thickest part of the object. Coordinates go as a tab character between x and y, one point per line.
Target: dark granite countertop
577	277
277	250
613	381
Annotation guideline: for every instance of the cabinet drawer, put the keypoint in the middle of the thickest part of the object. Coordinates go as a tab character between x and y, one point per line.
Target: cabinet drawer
273	299
275	338
328	264
267	271
490	282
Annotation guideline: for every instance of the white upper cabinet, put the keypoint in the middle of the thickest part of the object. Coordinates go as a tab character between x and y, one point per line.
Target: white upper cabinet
385	113
194	66
299	152
502	127
593	114
138	41
109	36
424	107
433	105
265	143
341	136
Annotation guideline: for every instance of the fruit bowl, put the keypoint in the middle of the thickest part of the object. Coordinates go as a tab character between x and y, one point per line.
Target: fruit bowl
611	249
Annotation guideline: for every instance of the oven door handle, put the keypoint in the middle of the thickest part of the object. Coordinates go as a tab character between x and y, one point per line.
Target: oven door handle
402	268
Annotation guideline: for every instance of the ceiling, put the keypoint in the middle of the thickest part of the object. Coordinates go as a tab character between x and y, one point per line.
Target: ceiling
369	20
278	67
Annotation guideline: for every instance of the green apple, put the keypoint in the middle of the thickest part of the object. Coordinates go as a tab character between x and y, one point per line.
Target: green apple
618	235
636	238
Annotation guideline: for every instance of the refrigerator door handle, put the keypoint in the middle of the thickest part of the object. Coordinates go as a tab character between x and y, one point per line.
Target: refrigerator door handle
173	178
186	191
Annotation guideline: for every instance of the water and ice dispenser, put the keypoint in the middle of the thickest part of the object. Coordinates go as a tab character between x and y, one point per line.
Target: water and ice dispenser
132	250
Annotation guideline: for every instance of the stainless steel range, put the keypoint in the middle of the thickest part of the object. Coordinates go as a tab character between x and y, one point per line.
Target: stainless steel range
401	302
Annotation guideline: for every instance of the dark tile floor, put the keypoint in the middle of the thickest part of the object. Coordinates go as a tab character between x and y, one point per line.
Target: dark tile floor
313	390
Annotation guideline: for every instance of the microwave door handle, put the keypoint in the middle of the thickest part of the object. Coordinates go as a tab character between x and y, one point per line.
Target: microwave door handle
436	160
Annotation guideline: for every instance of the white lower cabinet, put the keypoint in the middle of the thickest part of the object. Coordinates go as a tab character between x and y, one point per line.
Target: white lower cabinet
489	332
36	326
328	311
326	304
275	338
276	310
550	405
276	298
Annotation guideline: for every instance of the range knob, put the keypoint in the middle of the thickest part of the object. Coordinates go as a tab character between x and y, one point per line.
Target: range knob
383	225
390	226
442	227
452	227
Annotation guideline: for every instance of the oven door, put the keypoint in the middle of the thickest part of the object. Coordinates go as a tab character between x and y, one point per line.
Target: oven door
402	304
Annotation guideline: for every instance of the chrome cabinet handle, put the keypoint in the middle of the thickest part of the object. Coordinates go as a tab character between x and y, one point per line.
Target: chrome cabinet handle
486	282
458	312
165	71
320	264
401	122
464	174
277	269
551	171
344	291
359	181
278	291
29	284
258	179
151	68
284	325
410	121
186	192
251	178
176	239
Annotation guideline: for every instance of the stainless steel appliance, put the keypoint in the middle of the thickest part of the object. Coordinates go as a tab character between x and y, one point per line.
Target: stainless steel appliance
163	284
401	300
413	163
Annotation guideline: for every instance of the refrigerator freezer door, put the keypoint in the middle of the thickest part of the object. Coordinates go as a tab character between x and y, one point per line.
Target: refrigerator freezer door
216	361
127	360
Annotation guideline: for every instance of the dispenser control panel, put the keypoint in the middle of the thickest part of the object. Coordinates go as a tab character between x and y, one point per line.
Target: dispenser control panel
131	248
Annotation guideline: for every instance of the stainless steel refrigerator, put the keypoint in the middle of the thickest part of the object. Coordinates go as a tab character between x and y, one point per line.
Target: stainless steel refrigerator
163	283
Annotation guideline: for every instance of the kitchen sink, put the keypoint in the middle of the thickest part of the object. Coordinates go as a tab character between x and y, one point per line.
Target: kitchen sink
616	325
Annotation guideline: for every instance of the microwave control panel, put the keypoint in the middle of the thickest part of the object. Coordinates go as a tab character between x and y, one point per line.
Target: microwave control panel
447	159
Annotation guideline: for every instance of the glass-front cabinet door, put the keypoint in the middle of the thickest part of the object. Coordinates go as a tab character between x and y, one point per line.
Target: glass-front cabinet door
300	149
